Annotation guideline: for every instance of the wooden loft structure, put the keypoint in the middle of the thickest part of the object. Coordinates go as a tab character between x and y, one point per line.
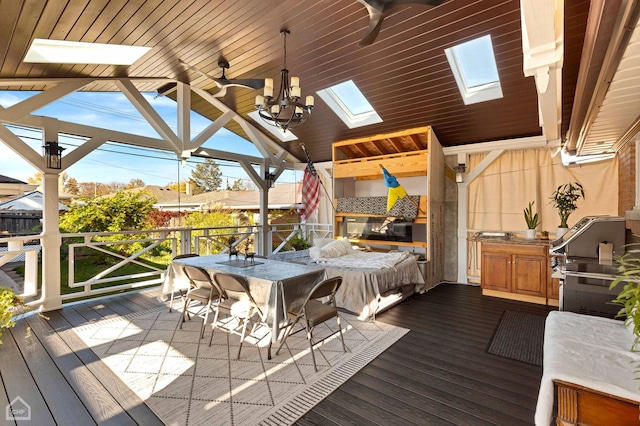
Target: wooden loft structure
415	156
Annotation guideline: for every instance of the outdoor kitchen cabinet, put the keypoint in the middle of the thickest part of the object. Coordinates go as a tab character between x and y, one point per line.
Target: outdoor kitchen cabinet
515	271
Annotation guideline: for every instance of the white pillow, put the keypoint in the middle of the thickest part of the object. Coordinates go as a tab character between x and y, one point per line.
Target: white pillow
314	253
347	244
321	242
333	249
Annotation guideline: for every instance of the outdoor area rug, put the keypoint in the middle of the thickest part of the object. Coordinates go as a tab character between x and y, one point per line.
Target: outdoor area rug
186	382
519	336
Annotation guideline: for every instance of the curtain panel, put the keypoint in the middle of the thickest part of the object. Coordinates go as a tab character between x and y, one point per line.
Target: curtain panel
497	198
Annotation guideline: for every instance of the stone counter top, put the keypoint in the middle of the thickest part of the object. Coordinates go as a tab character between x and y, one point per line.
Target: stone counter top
512	240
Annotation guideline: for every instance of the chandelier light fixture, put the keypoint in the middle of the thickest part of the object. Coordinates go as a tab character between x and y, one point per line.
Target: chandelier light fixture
284	111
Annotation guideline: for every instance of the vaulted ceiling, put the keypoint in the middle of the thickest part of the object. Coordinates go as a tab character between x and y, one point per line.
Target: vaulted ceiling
403	73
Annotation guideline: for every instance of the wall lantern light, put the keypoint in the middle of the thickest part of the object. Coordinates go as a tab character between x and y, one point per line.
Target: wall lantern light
53	154
270	178
460	169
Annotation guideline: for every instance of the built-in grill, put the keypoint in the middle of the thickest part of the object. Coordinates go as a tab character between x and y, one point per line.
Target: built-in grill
583	261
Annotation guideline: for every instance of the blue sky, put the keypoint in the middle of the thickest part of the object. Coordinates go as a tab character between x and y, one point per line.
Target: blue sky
116	162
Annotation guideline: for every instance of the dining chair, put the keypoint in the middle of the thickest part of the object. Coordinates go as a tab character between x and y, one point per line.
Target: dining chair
237	302
180	256
314	312
202	290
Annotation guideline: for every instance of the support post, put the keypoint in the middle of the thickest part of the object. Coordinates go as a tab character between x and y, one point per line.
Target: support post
51	243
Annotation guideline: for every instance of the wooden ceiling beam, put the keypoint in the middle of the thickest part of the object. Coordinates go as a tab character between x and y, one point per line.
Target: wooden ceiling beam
363	150
380	147
397	144
347	152
417	142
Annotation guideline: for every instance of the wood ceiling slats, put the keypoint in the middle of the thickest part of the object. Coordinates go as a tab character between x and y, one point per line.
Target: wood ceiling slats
404	73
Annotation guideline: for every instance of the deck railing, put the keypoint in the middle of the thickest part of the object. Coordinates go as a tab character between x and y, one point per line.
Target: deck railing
129	259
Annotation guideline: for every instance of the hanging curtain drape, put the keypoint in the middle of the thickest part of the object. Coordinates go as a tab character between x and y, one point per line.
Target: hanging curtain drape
497	198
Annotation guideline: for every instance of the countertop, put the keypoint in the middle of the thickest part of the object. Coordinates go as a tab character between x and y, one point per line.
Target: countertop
511	240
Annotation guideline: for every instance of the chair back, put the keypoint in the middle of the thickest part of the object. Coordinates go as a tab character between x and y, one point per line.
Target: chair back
199	278
233	287
185	256
325	288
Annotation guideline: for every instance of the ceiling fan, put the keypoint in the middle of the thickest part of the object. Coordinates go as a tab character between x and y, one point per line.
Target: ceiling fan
222	82
379	9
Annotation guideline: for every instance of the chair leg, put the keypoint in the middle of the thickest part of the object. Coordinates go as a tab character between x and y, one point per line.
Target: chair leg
289	329
244	330
310	339
213	326
204	321
344	348
184	310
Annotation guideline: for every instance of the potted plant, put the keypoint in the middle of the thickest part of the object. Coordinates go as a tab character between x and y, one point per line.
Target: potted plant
11	306
299	242
629	295
564	199
532	221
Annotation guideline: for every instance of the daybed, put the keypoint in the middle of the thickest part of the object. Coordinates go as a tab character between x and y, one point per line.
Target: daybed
372	282
589	361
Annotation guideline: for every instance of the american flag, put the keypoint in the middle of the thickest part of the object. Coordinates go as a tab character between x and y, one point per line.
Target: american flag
310	190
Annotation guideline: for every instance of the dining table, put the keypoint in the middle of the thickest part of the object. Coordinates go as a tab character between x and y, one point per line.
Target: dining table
274	285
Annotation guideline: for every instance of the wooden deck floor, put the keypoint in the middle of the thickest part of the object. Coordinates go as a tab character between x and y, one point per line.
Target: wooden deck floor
439	373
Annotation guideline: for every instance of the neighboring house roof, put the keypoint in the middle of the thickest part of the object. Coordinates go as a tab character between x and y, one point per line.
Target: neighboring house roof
31	201
10	187
7	179
282	196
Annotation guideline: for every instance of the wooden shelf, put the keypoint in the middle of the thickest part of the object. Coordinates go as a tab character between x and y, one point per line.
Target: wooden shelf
389	243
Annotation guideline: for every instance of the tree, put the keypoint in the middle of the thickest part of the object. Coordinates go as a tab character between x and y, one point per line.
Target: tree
120	212
206	177
135	183
175	186
238	185
72	187
35	179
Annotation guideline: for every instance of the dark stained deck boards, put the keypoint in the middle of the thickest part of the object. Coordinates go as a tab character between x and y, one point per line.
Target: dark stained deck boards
439	373
443	361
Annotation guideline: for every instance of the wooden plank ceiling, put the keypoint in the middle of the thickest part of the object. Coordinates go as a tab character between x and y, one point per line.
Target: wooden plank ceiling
404	73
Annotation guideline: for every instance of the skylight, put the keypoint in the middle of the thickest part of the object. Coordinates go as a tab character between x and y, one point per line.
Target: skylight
474	67
348	103
275	131
76	52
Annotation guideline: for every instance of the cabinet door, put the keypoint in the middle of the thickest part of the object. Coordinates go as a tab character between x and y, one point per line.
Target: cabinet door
496	271
529	275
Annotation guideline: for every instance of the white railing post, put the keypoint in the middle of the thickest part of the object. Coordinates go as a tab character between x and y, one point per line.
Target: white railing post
30	273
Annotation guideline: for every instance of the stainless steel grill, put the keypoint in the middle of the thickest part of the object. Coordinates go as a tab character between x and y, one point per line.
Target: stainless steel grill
583	260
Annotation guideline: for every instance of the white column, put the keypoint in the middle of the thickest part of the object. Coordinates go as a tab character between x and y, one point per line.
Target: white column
264	219
51	242
462	233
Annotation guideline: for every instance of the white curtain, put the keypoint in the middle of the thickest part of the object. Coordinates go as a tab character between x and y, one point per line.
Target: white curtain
497	198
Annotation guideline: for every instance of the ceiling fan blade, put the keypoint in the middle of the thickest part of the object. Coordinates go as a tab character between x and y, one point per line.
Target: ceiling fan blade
375	23
222	83
249	83
378	9
199	71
